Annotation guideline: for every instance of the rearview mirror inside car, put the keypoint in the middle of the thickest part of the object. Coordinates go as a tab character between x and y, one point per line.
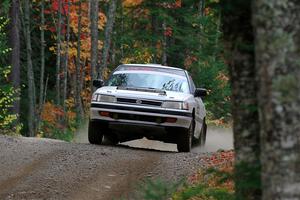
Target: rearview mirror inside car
200	92
98	83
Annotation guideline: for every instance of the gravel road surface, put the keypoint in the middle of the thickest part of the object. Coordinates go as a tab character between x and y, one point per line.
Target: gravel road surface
34	168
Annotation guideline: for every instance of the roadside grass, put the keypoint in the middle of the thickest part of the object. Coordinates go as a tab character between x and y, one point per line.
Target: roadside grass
209	184
158	189
203	192
59	133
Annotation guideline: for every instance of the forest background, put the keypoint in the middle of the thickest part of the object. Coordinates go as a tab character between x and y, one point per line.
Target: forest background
52	50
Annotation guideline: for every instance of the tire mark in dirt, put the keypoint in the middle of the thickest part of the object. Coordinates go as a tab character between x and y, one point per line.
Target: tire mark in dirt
119	181
26	171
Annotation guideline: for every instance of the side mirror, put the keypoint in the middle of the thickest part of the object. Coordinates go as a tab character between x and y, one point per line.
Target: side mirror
98	83
200	92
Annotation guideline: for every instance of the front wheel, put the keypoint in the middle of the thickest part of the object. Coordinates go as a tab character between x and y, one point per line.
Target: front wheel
95	133
110	139
184	143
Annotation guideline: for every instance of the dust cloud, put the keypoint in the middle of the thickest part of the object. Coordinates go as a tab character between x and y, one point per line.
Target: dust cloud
217	138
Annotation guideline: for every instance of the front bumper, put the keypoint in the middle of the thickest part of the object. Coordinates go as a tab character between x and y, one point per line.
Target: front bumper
140	115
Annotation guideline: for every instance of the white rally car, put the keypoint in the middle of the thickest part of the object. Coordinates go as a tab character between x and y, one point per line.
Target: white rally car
152	101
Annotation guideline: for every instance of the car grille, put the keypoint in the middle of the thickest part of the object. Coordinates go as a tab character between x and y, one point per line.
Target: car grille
139	102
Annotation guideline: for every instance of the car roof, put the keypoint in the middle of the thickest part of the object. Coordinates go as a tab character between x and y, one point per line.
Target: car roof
153	65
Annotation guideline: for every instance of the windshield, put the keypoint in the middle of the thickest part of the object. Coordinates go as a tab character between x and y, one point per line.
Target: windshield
153	80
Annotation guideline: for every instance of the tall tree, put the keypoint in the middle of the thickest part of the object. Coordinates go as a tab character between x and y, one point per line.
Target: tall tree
78	102
42	71
14	43
94	9
30	74
65	71
239	36
201	7
201	14
277	60
154	30
58	51
164	44
108	33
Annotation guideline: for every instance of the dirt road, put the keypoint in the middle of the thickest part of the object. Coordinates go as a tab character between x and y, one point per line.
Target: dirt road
48	169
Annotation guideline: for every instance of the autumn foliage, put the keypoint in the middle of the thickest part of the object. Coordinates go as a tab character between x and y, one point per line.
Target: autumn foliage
52	116
212	182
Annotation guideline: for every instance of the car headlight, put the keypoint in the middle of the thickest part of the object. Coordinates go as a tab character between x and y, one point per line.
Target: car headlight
176	105
103	98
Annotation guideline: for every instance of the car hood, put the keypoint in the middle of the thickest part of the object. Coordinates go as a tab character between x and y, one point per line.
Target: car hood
169	95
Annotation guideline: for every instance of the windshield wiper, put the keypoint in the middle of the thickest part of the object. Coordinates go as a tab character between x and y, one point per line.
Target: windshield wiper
143	89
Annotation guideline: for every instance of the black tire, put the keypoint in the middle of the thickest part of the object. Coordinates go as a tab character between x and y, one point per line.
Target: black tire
203	134
110	139
184	143
95	134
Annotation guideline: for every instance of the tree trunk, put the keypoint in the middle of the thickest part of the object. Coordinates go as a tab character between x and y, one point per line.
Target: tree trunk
113	53
122	29
42	73
79	109
58	52
201	7
154	29
94	37
164	44
239	35
30	74
14	41
201	15
277	61
66	62
108	33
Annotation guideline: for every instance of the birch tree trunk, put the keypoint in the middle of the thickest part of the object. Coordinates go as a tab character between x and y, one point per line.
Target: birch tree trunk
14	43
108	33
278	54
79	109
239	35
58	52
30	74
94	10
